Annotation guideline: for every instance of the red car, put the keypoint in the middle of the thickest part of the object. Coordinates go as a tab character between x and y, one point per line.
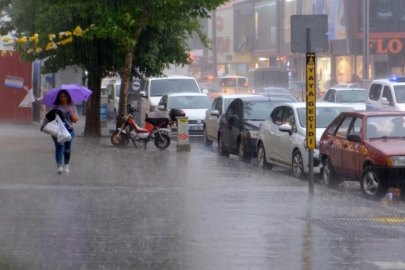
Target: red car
368	146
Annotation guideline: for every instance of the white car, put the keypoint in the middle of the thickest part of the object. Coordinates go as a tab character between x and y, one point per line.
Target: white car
387	95
282	137
353	97
155	88
213	115
193	104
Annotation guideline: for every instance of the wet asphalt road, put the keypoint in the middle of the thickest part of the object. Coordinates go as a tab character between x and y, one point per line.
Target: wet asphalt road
134	209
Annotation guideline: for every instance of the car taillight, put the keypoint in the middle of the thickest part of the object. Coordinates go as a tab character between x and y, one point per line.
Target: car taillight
321	94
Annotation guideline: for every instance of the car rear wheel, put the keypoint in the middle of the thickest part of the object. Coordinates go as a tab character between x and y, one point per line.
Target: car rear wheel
207	142
261	158
221	149
372	184
298	165
328	175
243	155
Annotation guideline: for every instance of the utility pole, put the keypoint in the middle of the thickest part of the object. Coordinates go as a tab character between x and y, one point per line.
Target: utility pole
366	23
214	43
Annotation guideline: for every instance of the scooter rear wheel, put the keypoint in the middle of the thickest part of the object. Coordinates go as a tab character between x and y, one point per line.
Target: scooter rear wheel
119	140
162	141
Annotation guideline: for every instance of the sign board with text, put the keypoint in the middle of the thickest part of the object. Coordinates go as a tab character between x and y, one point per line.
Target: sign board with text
311	100
318	39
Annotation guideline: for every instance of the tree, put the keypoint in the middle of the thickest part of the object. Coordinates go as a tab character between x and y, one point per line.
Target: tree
124	22
134	38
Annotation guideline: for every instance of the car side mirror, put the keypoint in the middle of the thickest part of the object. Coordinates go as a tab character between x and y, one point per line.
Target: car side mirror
205	91
214	113
161	107
143	93
354	138
286	128
384	101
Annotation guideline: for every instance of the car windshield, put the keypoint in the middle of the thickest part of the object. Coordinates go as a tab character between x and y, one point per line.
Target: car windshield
351	96
392	126
169	86
228	101
274	90
258	110
324	115
400	93
190	102
212	88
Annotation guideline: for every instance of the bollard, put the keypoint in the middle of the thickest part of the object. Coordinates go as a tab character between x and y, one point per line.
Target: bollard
183	141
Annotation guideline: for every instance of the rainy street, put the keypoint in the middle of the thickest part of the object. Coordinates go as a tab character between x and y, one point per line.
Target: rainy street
134	209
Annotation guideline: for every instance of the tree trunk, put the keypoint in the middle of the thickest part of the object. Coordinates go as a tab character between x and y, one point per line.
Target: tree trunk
93	127
125	76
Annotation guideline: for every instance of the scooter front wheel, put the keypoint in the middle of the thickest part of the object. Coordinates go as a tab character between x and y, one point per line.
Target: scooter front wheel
119	140
162	141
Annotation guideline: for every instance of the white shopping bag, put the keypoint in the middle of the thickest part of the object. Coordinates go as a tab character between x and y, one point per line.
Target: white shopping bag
51	128
63	134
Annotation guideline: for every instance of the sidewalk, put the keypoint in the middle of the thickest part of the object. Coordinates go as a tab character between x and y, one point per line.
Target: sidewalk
126	208
105	131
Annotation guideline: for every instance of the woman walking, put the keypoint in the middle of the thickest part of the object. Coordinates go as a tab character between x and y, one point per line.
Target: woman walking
64	106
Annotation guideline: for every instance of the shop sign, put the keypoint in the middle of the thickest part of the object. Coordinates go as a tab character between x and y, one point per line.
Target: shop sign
219	22
223	44
382	46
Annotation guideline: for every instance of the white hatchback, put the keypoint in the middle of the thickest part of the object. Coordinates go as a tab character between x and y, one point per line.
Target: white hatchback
213	116
193	104
282	137
354	97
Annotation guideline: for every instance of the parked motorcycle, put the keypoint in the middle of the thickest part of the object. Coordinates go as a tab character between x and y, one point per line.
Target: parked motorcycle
156	132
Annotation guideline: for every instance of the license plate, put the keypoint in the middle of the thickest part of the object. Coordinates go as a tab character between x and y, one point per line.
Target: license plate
196	128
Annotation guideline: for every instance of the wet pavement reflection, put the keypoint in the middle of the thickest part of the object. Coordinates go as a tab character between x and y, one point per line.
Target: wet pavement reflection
134	209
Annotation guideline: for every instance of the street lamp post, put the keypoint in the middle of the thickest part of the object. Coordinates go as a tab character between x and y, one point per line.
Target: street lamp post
214	43
366	22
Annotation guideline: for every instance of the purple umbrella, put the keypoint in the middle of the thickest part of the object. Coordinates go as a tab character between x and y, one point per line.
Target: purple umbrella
78	93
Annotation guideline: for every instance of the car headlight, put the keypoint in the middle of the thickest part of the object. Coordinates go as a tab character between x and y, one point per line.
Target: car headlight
396	161
253	134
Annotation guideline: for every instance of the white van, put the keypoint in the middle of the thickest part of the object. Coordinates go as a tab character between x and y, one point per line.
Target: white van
388	94
155	88
113	91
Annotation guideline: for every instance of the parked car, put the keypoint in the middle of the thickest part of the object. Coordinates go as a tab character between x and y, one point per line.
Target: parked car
213	89
155	88
346	85
193	104
282	137
386	94
367	146
238	128
354	97
213	116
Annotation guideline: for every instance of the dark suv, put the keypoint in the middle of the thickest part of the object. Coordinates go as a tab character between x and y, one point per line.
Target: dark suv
239	126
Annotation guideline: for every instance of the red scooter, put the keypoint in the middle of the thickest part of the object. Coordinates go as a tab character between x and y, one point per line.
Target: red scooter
157	132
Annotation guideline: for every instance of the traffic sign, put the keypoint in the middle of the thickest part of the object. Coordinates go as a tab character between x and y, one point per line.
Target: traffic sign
311	100
136	85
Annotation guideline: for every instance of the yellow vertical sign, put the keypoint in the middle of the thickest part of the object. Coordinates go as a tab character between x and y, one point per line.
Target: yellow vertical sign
311	100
